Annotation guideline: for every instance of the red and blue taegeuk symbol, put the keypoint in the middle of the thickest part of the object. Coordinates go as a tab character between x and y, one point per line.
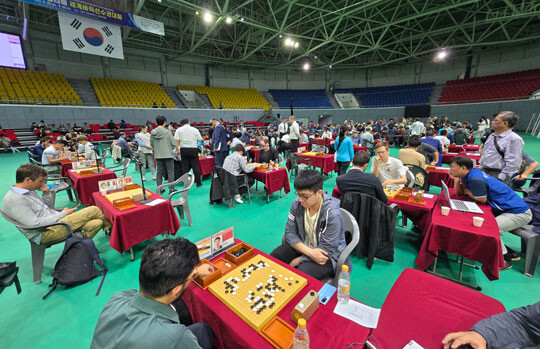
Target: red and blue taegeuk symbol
93	37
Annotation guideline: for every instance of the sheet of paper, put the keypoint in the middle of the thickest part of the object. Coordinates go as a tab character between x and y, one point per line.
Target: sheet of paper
359	313
155	202
413	345
441	168
429	196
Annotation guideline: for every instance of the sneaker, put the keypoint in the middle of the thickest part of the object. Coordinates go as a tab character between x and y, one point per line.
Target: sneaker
154	177
144	178
507	265
199	185
511	255
238	199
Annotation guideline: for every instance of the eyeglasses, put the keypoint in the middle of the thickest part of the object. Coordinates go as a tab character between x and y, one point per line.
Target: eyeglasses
303	197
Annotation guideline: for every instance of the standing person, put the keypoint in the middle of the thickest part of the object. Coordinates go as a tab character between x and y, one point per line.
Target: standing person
417	127
344	151
501	157
187	138
123	144
294	134
283	128
162	141
510	211
145	152
219	142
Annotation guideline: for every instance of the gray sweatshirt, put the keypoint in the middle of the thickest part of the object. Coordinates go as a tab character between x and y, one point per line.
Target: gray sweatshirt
162	141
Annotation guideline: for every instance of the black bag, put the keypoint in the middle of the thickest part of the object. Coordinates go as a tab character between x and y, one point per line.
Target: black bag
8	276
76	265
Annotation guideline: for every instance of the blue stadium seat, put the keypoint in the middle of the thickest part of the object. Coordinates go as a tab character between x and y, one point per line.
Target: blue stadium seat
308	99
388	96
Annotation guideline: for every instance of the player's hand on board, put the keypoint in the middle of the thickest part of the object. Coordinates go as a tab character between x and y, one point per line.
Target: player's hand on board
319	256
205	270
457	339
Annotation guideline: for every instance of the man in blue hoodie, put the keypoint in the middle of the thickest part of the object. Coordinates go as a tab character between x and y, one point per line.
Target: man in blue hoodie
314	236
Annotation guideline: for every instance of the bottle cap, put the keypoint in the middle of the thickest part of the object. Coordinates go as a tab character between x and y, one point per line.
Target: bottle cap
345	267
302	323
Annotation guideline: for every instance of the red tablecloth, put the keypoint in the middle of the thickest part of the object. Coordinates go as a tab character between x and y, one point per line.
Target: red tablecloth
306	145
425	308
357	148
206	165
435	177
230	331
418	214
255	153
326	163
455	148
274	180
321	141
472	147
86	185
139	224
65	167
447	158
456	234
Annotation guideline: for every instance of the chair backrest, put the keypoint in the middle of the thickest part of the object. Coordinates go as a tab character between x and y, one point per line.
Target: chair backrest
187	179
419	171
104	156
410	179
349	225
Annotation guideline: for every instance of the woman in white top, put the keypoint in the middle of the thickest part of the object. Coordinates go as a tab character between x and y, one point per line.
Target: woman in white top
145	151
327	134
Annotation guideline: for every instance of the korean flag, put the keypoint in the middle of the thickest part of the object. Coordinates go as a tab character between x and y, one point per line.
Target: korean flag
86	35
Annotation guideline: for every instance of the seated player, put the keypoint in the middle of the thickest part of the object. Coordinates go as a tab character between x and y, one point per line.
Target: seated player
358	181
145	318
314	236
236	164
87	148
510	211
24	205
267	153
518	328
410	155
51	157
389	170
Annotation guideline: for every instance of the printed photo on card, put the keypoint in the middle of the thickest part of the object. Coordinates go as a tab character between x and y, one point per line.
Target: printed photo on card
222	240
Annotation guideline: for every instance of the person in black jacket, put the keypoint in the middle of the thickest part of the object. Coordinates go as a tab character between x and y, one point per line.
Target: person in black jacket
267	153
358	181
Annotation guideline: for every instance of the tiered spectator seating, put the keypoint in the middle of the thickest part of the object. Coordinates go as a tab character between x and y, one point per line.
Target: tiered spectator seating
30	87
386	96
309	99
127	93
492	88
231	98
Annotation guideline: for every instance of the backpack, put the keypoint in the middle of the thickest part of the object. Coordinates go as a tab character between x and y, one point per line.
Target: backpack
76	264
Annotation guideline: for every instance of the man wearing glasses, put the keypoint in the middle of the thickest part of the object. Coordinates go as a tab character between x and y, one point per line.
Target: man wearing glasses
146	318
501	157
389	170
314	236
267	153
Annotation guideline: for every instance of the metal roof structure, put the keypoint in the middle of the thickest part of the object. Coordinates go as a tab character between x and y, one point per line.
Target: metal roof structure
330	33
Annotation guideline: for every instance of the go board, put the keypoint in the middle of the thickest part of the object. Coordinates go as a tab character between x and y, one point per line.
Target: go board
257	290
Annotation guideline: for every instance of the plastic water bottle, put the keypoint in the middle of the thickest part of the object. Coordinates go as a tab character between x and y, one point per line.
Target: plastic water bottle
344	285
301	336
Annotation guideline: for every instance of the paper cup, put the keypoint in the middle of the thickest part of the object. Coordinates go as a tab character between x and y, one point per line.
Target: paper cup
477	221
445	210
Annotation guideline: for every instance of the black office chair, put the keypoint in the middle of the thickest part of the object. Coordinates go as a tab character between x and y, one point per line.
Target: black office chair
417	172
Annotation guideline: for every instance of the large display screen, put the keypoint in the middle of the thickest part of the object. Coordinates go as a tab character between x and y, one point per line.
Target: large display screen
11	53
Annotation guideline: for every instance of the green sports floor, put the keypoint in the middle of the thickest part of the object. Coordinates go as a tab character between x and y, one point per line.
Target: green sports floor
68	317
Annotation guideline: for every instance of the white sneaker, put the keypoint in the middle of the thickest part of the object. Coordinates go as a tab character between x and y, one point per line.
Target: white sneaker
144	178
238	199
154	177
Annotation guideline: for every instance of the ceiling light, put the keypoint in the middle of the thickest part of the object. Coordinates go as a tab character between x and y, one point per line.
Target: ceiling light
441	55
242	19
280	36
208	17
228	20
159	1
196	12
330	66
306	66
315	57
288	42
296	44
